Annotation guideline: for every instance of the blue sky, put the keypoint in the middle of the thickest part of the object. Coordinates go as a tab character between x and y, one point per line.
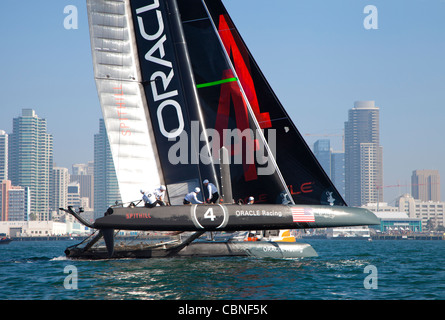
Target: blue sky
317	56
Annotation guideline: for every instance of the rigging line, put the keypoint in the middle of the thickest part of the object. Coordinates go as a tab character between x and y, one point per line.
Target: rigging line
215	83
249	107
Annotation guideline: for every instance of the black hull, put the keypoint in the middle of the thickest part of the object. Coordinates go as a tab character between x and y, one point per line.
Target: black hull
231	217
261	249
202	218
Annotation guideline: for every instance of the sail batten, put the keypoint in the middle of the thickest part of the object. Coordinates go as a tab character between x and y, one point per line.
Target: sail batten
214	83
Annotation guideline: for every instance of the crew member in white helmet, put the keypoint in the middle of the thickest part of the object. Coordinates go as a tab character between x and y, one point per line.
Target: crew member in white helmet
160	194
149	199
251	200
191	197
213	192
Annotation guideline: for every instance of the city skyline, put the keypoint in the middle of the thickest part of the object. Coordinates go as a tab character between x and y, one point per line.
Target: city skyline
318	58
105	180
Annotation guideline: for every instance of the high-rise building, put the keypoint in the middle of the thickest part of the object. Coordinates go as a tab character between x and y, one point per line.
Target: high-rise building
338	171
59	188
3	155
73	199
19	203
425	185
83	175
14	202
322	151
106	187
31	160
363	155
333	163
80	169
74	194
4	199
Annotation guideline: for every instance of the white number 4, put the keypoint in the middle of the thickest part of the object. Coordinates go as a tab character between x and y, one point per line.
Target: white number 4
209	214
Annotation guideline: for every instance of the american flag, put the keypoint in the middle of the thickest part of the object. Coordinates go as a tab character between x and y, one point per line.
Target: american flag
302	215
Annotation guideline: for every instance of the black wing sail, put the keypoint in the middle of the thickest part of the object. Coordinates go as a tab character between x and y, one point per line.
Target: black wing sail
234	93
227	112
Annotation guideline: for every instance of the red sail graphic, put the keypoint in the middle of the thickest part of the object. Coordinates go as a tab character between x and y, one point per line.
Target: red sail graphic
230	92
243	71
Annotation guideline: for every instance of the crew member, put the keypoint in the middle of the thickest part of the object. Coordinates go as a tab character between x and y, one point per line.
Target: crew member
149	199
191	197
160	194
213	192
251	236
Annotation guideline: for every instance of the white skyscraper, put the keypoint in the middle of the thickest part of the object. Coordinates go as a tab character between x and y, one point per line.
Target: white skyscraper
31	160
59	196
363	155
3	156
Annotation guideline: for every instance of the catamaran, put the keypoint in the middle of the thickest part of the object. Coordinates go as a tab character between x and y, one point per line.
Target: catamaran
183	100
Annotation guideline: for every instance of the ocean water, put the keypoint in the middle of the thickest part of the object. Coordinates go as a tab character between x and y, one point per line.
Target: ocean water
350	270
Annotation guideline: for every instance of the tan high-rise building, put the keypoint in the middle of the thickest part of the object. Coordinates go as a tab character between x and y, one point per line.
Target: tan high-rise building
425	185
